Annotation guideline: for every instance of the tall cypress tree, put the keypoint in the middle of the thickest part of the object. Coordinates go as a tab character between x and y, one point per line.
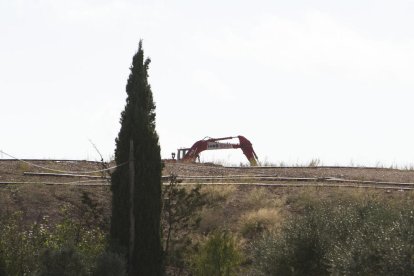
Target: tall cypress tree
138	125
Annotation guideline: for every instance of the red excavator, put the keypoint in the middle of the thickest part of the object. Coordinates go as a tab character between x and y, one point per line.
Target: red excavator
208	143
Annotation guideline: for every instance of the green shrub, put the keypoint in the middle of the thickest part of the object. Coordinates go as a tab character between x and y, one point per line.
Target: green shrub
64	262
110	264
2	266
20	246
297	250
219	255
346	237
383	245
180	215
89	242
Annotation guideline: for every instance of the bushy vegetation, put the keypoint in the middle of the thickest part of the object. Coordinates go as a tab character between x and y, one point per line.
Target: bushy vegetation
218	255
64	261
345	237
77	244
110	264
72	245
305	232
180	216
256	222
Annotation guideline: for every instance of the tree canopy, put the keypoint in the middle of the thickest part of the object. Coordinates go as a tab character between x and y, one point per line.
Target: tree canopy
138	126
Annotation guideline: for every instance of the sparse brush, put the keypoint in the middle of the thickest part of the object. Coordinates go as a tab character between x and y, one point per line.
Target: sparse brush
316	162
212	219
215	196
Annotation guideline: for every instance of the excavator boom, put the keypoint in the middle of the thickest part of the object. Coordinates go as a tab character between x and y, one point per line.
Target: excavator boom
191	154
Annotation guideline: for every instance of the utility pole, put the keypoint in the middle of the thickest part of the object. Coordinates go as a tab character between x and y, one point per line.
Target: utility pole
131	207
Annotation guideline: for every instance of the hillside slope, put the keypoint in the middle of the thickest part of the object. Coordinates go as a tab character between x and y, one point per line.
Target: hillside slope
37	199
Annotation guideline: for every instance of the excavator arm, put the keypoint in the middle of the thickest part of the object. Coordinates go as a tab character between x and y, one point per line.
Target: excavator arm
191	154
247	148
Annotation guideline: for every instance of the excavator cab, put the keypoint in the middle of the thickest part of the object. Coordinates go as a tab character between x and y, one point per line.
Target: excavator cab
181	153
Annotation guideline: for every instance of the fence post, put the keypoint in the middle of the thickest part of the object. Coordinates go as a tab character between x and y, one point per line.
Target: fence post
131	207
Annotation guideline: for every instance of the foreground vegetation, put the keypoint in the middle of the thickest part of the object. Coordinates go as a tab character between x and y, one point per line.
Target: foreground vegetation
341	237
225	230
69	247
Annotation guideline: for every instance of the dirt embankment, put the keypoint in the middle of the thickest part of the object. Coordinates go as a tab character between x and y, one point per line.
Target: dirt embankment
35	199
355	173
14	171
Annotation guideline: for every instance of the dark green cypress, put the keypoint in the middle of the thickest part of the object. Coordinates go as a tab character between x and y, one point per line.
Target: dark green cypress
138	124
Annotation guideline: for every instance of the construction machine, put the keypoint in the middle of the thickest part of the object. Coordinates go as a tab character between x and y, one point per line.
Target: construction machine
208	143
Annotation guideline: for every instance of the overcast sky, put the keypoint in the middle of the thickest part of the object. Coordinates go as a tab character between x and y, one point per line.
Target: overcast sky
332	80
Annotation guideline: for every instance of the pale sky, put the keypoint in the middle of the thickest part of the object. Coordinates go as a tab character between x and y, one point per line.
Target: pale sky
332	80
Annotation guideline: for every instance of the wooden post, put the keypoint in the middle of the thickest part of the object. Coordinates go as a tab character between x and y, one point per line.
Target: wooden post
131	207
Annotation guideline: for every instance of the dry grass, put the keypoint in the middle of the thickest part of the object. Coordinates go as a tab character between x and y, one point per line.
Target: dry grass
211	219
254	222
218	193
22	167
38	200
259	197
